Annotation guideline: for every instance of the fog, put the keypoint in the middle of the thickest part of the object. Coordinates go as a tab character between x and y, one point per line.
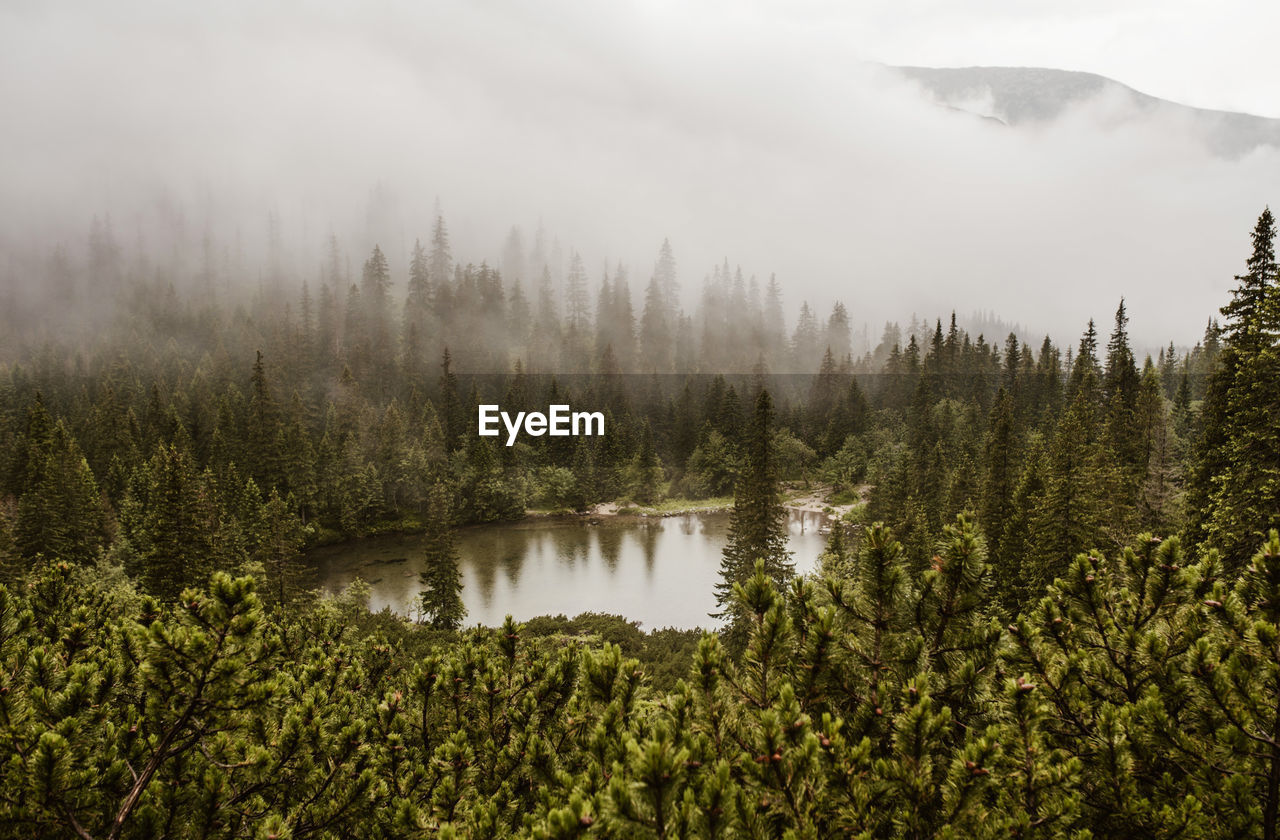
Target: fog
774	144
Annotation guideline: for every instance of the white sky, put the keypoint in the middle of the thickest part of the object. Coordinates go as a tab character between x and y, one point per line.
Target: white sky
1208	54
747	131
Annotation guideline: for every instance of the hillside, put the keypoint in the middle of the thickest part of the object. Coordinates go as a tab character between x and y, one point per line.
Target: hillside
1020	96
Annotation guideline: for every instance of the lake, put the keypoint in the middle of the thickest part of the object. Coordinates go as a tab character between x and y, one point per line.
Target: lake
659	571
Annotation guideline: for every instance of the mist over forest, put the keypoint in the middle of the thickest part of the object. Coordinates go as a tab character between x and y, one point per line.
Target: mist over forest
929	359
227	147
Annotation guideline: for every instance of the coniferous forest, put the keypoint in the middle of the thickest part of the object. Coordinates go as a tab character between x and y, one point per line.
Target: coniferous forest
1052	611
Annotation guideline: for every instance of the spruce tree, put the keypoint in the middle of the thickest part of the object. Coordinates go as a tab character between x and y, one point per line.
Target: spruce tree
1015	571
61	515
1119	393
1252	312
646	471
1067	518
263	427
656	331
171	520
451	408
279	548
757	525
1237	476
1001	474
440	259
441	598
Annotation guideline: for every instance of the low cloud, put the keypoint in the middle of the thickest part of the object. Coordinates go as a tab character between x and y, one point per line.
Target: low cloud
612	126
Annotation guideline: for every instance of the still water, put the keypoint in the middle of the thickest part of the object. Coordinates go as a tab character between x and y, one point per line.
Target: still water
660	572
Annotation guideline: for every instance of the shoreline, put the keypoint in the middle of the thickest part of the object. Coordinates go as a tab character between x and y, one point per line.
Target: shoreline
813	500
810	501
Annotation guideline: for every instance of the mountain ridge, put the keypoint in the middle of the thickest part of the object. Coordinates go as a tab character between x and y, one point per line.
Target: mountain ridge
1018	96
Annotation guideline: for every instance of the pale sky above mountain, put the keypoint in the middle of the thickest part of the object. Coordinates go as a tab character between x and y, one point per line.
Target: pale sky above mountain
1210	55
753	132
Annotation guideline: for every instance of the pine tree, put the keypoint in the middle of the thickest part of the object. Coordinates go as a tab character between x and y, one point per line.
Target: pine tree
621	333
1121	374
1042	795
1085	362
837	338
416	321
1015	568
757	525
1001	474
664	273
646	470
279	548
171	520
1253	313
1157	457
1120	387
774	324
263	429
804	341
1237	475
953	620
1067	518
451	409
60	514
1236	672
440	260
656	331
441	598
1101	650
577	298
836	554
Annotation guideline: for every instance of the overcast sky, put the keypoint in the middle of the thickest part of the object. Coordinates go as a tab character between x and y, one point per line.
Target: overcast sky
1210	55
756	133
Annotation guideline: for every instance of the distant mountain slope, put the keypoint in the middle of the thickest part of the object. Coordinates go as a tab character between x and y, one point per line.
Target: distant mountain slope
1024	95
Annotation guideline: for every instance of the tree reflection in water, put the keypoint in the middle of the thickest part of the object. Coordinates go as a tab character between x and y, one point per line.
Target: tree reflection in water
658	571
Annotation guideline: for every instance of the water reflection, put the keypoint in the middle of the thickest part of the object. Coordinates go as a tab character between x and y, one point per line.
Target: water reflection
610	542
658	571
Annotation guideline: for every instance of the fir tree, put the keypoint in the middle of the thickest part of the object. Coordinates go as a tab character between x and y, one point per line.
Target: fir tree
757	525
440	259
441	598
1001	474
1236	479
1067	518
60	515
1252	315
451	403
171	520
647	471
279	549
656	331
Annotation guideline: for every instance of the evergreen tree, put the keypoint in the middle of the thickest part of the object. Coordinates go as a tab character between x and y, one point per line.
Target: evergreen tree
1015	569
262	429
440	260
656	331
1237	475
1067	518
1001	474
60	515
646	469
441	598
1253	315
170	518
279	541
1120	387
452	409
757	525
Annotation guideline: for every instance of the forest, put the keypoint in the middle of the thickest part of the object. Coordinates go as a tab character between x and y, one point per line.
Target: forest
1053	610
